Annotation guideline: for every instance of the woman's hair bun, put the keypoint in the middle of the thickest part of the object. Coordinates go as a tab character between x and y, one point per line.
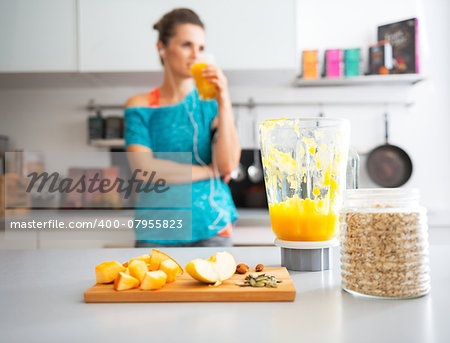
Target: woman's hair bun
166	26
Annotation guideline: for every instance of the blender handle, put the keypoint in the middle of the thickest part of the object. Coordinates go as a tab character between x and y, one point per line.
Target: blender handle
352	174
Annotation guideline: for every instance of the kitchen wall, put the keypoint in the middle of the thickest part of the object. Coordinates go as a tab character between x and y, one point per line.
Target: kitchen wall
47	112
422	130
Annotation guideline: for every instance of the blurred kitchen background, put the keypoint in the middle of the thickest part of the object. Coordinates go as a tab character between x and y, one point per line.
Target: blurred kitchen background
66	63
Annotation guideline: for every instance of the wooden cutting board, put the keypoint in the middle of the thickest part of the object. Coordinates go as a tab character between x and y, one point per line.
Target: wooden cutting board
186	289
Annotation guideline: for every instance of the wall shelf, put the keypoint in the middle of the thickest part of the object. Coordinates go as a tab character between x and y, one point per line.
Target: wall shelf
363	80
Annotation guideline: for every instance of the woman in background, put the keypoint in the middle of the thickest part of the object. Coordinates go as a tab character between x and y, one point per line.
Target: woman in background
172	118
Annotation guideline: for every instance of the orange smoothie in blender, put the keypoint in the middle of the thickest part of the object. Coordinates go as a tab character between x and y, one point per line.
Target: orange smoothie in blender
307	219
304	166
303	220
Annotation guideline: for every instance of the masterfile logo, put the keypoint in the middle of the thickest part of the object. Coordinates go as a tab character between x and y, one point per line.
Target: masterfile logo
96	183
98	195
91	180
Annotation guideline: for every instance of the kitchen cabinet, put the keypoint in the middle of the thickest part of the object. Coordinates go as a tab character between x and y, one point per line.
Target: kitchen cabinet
38	36
119	35
100	35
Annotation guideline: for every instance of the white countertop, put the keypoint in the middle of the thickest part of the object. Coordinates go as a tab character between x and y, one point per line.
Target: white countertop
41	300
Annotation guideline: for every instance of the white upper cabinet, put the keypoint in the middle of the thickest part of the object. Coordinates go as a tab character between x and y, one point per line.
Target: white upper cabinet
38	36
252	34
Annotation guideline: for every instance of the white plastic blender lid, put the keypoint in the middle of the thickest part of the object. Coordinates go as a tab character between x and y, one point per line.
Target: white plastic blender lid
306	245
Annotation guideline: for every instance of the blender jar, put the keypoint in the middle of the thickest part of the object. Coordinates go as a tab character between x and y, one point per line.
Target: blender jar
305	164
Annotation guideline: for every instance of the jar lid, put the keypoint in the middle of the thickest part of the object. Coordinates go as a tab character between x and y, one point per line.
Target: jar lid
381	193
388	198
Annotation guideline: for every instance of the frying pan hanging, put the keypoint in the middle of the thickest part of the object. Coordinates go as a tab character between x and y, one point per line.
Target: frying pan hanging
389	165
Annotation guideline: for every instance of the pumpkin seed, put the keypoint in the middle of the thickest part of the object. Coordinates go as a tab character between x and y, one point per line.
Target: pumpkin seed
260	280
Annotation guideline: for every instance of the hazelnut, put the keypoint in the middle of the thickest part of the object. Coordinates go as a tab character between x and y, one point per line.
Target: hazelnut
259	267
241	268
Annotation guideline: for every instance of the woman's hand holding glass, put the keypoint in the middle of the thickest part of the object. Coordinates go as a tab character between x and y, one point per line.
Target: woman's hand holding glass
213	74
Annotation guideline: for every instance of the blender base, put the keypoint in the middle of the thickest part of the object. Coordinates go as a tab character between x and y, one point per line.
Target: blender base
306	256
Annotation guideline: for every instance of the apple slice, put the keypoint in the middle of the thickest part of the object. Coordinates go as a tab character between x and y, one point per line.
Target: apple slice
171	268
107	272
225	264
202	270
125	281
158	257
216	269
154	280
137	269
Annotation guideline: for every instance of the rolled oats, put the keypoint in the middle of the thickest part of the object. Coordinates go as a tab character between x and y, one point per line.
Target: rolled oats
384	246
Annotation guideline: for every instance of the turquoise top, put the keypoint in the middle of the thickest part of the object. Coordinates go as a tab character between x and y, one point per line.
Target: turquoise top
169	129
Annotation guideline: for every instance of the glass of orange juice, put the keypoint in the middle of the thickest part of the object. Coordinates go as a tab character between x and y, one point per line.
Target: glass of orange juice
305	162
206	90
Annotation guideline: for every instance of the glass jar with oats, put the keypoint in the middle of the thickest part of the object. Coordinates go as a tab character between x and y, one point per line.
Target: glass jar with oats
384	243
